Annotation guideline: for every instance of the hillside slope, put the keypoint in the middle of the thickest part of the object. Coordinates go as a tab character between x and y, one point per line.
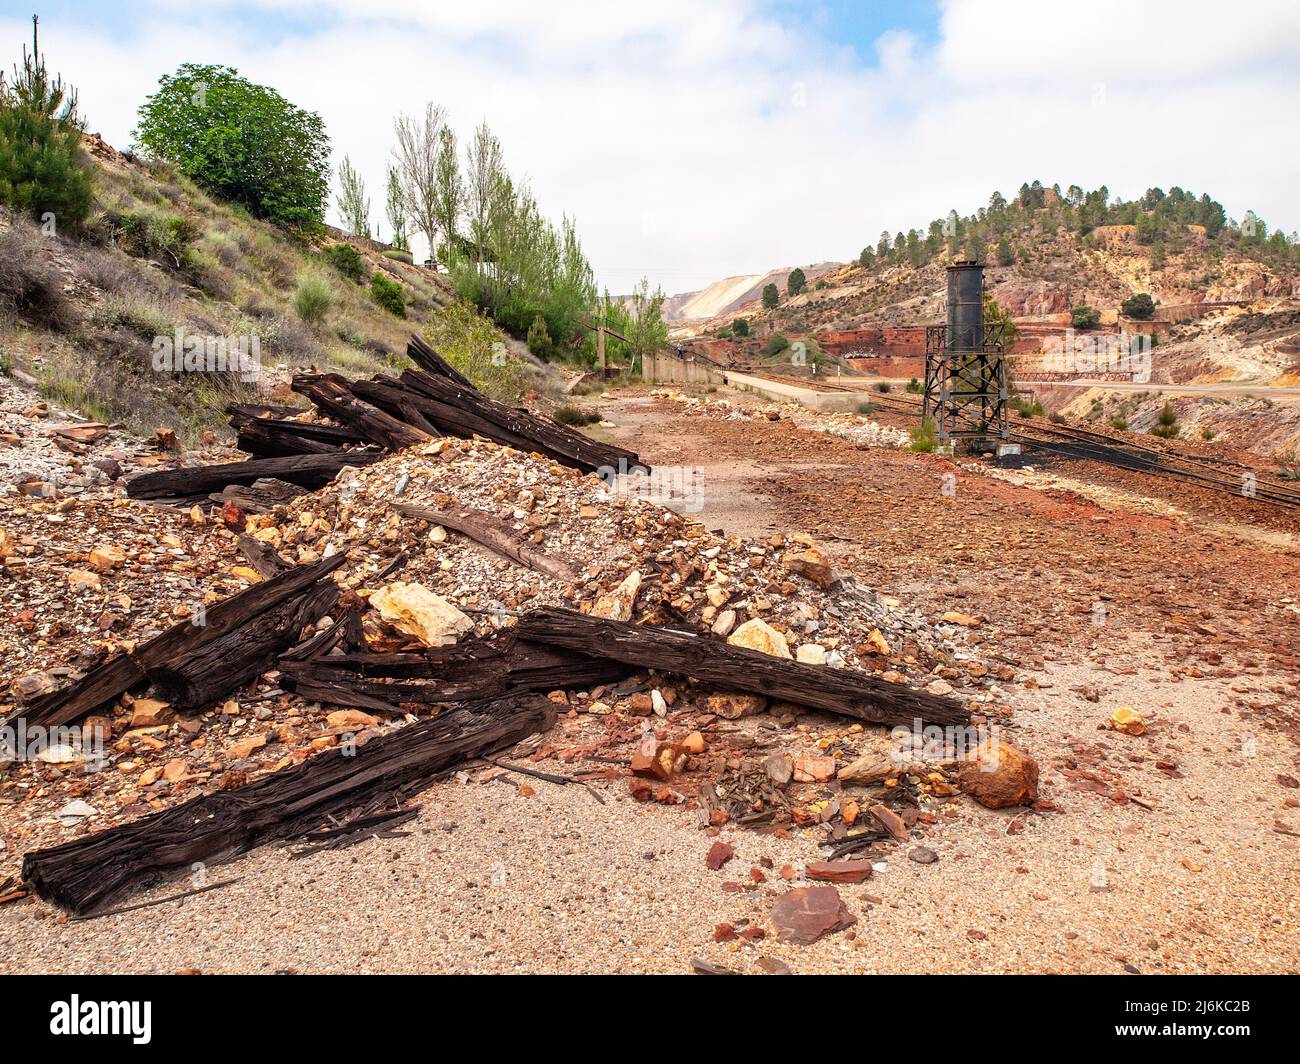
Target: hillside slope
82	316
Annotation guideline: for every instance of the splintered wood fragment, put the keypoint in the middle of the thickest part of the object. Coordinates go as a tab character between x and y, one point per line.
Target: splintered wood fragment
262	557
496	535
424	356
843	691
88	872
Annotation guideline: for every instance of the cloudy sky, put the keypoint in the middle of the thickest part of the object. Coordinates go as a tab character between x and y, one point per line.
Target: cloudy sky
696	139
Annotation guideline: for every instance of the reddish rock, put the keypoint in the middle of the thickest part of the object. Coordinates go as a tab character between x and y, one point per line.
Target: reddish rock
724	933
814	769
804	914
640	789
839	871
719	854
999	775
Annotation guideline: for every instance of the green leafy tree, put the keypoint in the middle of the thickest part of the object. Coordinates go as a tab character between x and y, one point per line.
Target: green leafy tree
740	327
353	203
241	141
771	297
448	188
796	282
43	170
1084	317
1005	255
1140	306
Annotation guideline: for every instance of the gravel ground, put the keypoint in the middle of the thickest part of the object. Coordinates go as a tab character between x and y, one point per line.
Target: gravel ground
491	881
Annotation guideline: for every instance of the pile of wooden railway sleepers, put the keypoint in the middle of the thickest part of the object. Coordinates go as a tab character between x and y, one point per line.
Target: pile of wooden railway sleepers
473	698
367	418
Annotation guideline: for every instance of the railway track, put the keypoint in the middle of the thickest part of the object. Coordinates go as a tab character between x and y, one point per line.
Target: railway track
1068	441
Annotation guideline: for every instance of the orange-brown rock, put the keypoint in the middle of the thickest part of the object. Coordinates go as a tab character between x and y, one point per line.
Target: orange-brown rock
999	775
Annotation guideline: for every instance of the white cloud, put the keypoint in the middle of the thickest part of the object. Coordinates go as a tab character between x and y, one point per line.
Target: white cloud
698	139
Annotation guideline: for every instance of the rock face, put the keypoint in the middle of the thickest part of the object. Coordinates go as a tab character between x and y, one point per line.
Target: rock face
804	914
416	611
617	604
761	636
999	775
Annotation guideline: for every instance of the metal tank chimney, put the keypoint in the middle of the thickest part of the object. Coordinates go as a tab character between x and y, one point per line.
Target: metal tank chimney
965	306
965	377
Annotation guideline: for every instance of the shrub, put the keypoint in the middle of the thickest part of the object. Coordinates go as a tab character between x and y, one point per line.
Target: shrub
150	234
399	256
571	414
1119	422
471	343
1208	433
740	327
925	436
1084	317
1166	425
313	298
539	339
388	294
884	387
244	142
915	386
867	407
347	260
1026	408
1140	306
42	167
776	343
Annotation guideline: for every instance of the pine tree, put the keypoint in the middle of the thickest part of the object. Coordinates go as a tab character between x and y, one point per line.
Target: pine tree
43	170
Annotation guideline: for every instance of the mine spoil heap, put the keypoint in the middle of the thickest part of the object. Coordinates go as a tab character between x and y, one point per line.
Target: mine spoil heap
450	580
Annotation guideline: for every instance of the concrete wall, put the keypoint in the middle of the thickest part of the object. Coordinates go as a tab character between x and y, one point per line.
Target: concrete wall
667	368
780	392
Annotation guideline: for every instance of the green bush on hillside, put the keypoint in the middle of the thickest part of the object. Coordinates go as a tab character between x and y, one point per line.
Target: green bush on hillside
776	343
347	260
313	298
388	294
